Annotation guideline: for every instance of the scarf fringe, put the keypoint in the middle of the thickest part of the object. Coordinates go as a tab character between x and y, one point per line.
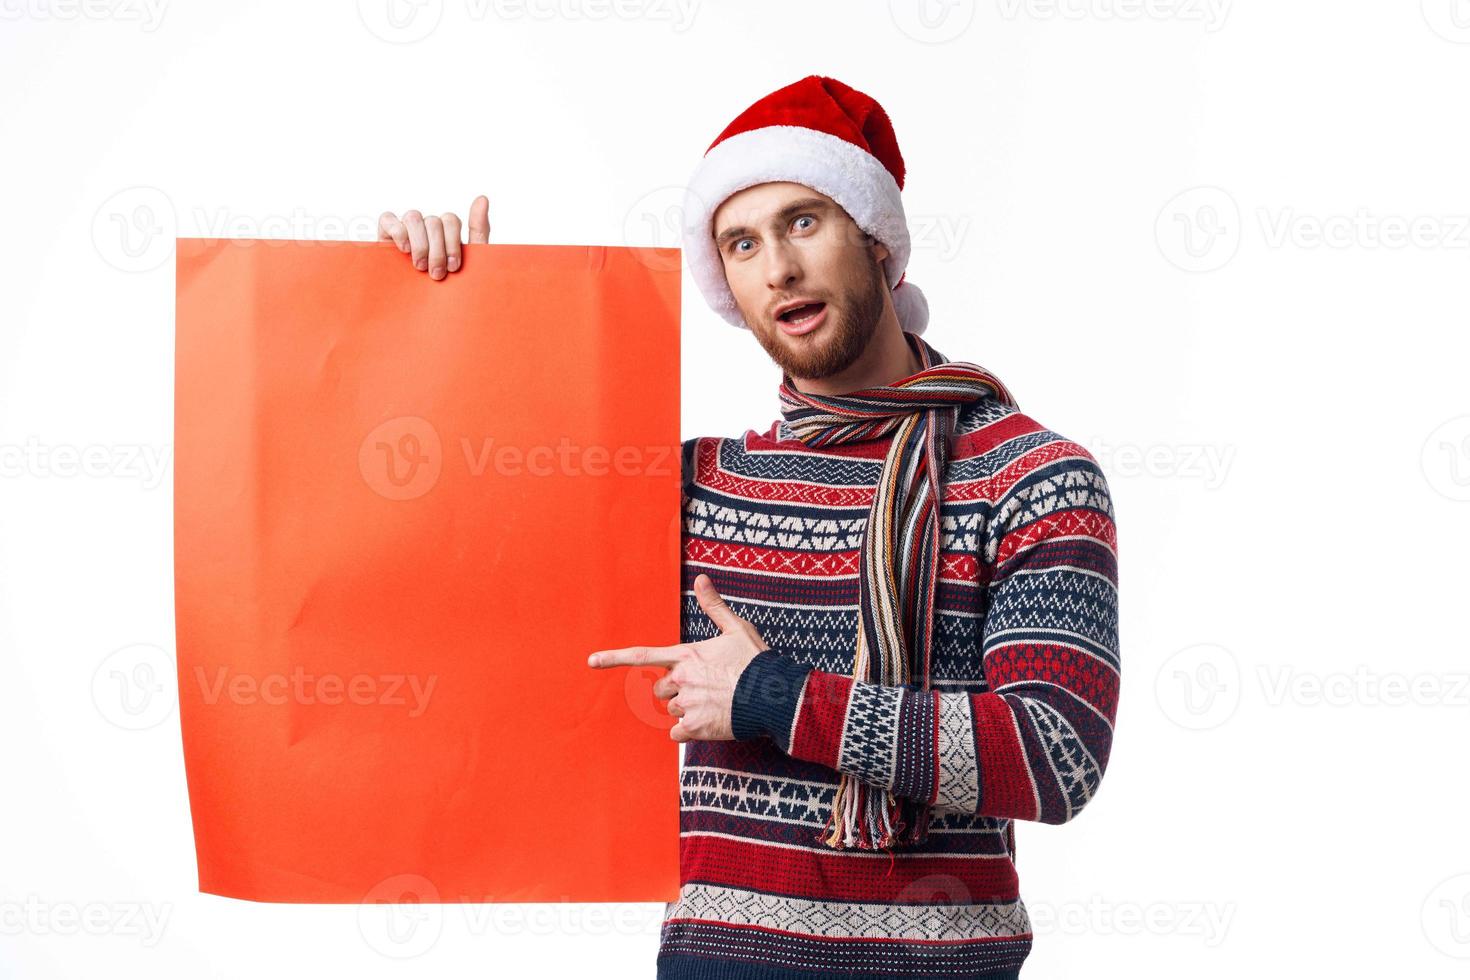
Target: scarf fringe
865	817
900	552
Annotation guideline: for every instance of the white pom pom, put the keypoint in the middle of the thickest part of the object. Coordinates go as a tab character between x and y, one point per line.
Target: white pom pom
911	306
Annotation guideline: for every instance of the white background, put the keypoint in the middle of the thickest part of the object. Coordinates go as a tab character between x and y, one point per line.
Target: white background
1224	245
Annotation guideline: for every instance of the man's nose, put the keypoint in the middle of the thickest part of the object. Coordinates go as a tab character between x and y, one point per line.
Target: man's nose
782	267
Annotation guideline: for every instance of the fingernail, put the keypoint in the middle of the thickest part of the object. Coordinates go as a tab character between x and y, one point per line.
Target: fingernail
453	263
592	661
421	264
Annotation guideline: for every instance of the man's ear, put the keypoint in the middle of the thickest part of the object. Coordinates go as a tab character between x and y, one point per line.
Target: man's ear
880	251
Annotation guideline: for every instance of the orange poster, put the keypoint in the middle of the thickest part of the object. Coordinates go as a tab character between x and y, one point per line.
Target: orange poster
405	511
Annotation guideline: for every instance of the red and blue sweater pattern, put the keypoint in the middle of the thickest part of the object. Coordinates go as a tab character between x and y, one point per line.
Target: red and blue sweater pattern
1017	723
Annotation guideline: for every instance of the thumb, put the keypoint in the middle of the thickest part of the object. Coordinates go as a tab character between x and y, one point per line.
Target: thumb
480	220
714	605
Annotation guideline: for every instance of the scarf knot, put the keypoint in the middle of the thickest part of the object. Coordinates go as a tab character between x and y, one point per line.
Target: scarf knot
899	558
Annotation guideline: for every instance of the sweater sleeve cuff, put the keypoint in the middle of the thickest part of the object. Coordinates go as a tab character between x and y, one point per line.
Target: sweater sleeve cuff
766	697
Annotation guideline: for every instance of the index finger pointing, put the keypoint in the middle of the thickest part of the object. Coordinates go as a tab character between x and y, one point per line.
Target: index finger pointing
635	657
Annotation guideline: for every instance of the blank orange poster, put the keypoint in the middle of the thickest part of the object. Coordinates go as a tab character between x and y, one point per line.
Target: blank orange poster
405	513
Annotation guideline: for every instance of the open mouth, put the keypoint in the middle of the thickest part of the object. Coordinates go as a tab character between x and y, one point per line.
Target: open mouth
801	313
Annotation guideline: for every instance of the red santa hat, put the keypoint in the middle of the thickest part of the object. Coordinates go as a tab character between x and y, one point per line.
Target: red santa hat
828	136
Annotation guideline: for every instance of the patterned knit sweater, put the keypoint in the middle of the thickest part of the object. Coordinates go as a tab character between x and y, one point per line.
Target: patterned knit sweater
1017	724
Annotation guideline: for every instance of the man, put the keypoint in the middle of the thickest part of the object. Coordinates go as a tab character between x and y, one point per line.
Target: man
879	671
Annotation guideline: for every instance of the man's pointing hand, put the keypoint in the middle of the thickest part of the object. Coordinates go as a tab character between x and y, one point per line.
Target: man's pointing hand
700	684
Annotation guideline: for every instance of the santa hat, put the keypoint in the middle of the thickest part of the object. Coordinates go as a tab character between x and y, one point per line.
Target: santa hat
828	136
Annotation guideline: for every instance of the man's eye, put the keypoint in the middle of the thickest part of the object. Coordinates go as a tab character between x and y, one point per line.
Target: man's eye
805	217
738	243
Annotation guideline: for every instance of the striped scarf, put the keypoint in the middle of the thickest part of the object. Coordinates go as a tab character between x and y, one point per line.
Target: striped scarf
900	549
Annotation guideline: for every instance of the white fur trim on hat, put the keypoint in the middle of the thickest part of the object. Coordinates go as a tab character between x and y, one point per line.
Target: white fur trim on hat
846	173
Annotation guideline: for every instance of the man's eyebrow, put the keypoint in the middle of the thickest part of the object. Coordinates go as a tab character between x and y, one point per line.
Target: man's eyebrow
785	214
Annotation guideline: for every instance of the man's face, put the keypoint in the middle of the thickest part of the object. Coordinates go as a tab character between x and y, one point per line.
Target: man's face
783	242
